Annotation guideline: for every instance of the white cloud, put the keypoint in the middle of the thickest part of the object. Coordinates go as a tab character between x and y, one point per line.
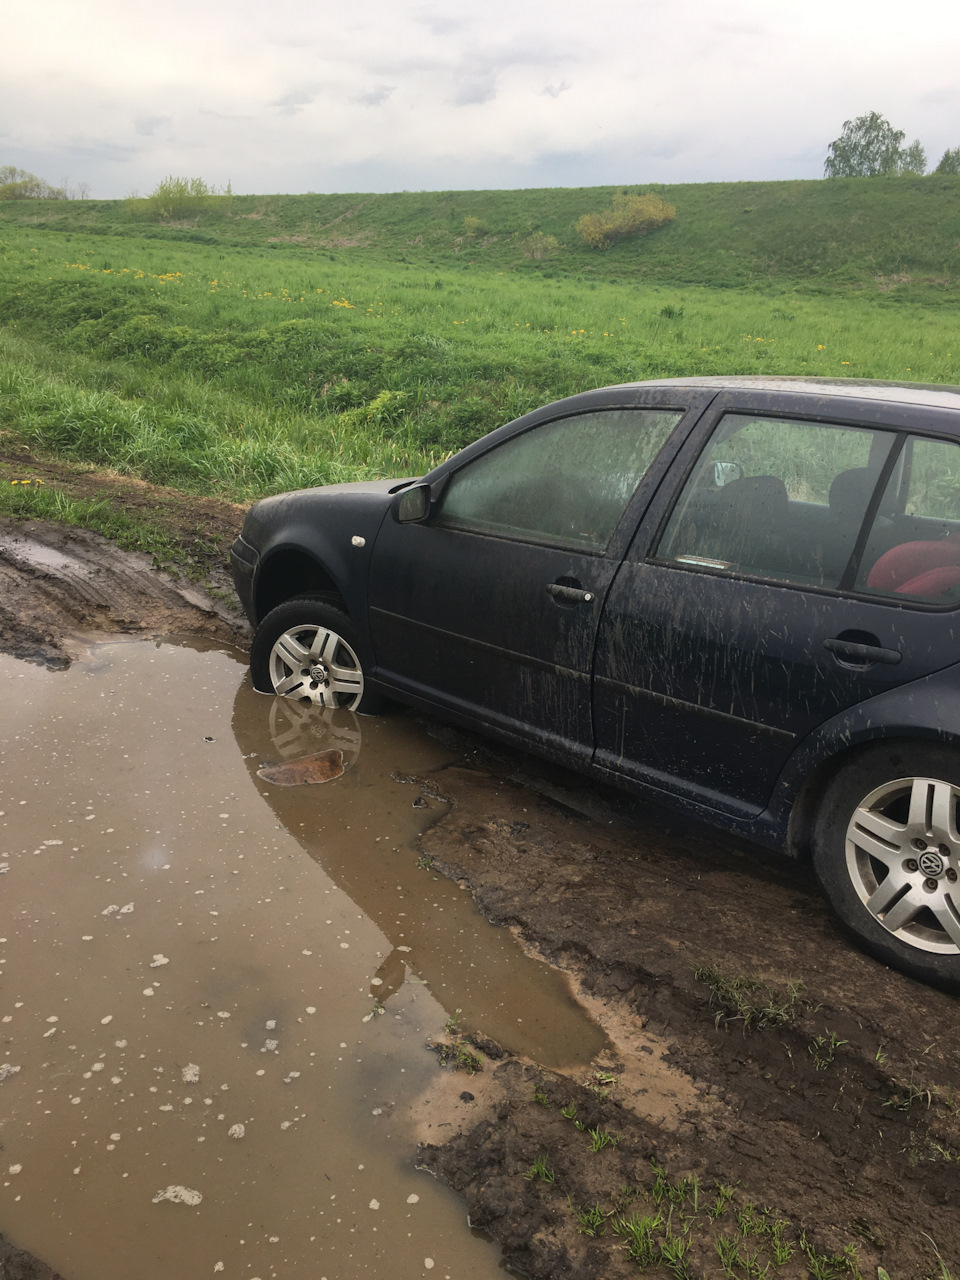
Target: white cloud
383	94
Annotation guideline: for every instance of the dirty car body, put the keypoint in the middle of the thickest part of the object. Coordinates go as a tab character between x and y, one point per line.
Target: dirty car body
738	595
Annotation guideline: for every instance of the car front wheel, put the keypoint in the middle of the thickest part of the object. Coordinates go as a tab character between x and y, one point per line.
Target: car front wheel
306	650
886	849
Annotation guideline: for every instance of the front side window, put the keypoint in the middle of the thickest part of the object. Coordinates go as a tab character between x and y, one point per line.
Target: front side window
565	483
776	498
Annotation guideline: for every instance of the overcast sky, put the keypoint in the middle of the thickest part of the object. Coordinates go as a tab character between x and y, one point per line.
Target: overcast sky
386	95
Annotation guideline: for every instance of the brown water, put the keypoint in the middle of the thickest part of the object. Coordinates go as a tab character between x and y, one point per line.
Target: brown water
225	987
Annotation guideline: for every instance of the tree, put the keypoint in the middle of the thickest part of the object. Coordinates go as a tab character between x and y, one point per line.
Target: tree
913	159
17	184
949	162
869	146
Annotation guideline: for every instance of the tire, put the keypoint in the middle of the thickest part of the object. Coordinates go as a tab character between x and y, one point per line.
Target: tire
886	850
307	650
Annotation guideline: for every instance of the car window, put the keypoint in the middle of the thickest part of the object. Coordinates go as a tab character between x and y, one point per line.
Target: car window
566	482
776	498
913	551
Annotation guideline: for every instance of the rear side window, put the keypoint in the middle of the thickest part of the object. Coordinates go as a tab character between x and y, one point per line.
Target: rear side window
932	475
776	498
565	483
913	551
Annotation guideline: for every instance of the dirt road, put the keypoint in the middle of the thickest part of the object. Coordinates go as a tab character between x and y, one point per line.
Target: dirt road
769	1094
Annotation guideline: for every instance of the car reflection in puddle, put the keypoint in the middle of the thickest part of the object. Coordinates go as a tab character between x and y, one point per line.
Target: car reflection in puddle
437	933
212	1044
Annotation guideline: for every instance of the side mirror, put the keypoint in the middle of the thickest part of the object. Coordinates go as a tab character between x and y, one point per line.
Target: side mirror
412	504
726	473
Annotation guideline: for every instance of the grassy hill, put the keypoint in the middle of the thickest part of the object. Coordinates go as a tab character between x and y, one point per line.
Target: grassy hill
899	233
298	340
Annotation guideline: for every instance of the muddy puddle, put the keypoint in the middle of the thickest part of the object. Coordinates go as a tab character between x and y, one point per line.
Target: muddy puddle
217	991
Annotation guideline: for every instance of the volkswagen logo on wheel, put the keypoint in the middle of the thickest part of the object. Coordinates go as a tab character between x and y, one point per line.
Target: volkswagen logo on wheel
931	864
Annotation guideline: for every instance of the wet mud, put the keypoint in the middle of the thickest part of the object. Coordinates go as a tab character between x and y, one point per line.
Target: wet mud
840	1121
59	586
844	1118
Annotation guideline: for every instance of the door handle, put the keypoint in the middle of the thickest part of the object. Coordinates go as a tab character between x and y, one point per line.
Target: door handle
562	592
862	654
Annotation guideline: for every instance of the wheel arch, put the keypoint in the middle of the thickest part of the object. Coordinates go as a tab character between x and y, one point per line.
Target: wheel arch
803	811
290	573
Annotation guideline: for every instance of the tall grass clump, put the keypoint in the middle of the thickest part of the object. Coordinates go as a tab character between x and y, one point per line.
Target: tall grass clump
629	216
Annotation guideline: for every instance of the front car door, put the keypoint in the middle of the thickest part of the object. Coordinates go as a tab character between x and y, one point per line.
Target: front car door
805	564
489	607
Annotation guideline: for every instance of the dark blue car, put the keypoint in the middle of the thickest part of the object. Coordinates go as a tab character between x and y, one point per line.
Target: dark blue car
739	596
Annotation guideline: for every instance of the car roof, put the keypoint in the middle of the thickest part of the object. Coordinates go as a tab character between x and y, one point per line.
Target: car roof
912	393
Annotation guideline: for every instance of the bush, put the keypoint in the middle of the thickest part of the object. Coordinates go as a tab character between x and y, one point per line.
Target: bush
176	198
630	216
539	246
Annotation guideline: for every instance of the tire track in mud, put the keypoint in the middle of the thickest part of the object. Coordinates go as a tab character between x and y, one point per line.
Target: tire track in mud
58	583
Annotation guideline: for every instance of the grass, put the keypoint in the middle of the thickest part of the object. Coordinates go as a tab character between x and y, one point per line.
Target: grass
847	233
942	1266
678	1224
752	1002
601	1138
246	369
909	1095
456	1052
591	1221
823	1049
30	499
540	1170
677	1221
458	1056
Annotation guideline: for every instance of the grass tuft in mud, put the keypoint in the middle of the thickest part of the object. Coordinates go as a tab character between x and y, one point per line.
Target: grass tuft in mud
752	1002
456	1052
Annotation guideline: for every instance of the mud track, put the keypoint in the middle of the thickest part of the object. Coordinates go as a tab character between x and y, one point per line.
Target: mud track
58	584
844	1120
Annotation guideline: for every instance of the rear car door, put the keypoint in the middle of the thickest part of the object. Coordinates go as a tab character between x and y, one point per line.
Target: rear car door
768	593
489	608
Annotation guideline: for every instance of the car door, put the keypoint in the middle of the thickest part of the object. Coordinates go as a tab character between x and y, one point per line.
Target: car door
746	612
489	607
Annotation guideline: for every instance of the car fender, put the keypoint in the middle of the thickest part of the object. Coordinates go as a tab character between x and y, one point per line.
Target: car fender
926	709
334	527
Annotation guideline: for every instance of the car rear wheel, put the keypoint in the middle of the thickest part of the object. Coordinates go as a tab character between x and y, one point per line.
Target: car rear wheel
306	650
886	849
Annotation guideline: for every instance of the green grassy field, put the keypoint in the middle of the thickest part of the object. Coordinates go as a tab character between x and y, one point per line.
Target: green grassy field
869	233
245	355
